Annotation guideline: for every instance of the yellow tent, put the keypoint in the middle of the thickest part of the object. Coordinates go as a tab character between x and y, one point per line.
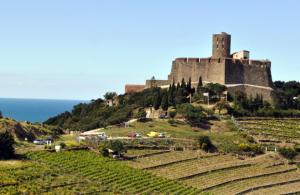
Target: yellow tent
153	134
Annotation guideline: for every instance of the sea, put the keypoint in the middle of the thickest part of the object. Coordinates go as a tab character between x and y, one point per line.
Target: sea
35	110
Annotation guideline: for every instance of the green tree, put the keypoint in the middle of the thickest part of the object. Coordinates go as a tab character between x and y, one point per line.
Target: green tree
157	99
205	143
110	95
165	101
222	105
6	145
1	116
141	114
200	85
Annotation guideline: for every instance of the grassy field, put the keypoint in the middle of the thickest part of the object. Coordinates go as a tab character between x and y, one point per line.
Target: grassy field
222	133
223	174
280	131
81	172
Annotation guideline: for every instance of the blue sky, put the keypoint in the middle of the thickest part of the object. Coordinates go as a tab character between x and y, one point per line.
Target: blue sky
74	49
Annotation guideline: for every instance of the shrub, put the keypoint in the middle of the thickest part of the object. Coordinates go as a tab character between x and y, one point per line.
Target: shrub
141	114
6	145
117	146
62	145
288	153
250	149
205	143
172	113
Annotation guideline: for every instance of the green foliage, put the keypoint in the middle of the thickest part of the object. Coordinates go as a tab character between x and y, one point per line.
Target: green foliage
287	95
200	86
222	105
157	98
91	116
1	116
165	101
6	145
205	143
116	146
172	113
141	114
110	95
250	149
194	115
288	153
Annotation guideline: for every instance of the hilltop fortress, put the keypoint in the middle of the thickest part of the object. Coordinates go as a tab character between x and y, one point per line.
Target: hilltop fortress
236	71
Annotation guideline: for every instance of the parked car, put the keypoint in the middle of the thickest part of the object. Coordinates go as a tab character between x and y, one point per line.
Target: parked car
138	135
134	135
161	135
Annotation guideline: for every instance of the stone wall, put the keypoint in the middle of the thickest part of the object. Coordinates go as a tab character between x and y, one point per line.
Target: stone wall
157	83
247	72
267	93
134	88
211	70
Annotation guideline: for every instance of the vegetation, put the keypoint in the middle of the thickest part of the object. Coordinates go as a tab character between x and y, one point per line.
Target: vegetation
82	172
116	146
141	114
26	130
287	95
288	153
6	145
194	115
205	143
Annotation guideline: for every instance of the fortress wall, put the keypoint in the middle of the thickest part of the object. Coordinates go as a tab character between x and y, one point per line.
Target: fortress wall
181	68
238	72
250	90
157	83
214	70
134	88
211	70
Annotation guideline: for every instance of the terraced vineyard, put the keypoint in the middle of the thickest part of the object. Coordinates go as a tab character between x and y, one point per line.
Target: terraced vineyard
272	130
224	174
83	172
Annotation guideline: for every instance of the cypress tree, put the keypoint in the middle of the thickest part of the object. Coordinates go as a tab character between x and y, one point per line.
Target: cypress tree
165	102
156	99
200	85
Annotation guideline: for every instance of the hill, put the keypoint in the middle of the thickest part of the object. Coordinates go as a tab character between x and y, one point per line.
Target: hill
22	130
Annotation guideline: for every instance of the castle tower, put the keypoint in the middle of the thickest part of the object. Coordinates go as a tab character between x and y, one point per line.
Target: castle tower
221	45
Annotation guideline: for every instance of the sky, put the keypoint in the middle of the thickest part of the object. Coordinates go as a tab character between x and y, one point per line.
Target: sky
74	49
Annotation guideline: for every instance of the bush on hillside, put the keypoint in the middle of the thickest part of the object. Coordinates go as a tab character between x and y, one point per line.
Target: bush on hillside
6	145
172	114
288	153
250	149
194	115
116	146
205	143
141	114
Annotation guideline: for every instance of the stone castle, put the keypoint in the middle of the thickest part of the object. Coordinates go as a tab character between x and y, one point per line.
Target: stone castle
236	71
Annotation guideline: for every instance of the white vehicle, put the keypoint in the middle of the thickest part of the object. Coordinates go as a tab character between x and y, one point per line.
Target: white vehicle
138	135
161	135
102	136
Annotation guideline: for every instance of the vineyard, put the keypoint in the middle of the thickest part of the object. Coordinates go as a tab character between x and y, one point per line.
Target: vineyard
82	172
223	174
272	131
